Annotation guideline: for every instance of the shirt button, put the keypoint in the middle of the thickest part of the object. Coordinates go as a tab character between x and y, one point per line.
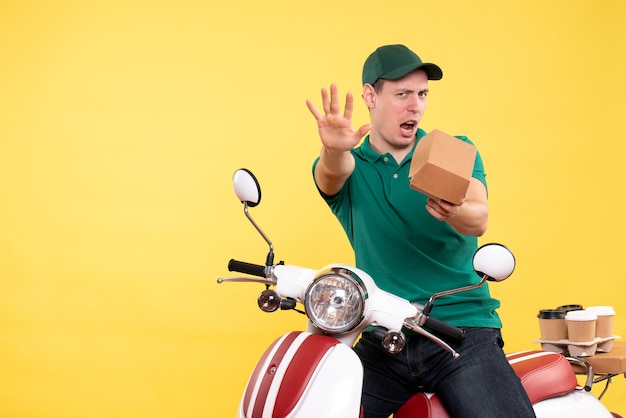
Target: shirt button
385	159
395	176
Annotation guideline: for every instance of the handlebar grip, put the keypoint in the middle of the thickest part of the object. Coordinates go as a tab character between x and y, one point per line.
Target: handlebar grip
444	329
246	268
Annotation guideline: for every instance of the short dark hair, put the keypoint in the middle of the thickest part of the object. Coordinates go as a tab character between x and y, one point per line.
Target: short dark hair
378	85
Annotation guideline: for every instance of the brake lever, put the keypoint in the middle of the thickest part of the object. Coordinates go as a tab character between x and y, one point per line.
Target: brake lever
243	279
412	324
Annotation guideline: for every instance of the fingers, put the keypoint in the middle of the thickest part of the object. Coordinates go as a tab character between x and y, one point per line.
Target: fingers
441	209
325	101
335	106
363	130
331	104
325	106
436	211
316	113
347	113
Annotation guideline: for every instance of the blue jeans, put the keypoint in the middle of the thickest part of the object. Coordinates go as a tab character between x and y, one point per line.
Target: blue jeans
480	383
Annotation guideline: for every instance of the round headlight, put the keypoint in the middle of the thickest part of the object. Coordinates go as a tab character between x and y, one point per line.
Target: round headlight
335	301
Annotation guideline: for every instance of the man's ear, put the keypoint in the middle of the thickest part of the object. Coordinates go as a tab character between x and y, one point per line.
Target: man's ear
369	96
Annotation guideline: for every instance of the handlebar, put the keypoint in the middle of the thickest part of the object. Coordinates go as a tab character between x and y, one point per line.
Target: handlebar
246	268
444	329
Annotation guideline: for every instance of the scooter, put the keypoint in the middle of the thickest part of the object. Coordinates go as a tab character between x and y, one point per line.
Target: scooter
315	373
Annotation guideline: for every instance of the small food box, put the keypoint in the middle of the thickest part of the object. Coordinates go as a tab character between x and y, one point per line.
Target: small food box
442	167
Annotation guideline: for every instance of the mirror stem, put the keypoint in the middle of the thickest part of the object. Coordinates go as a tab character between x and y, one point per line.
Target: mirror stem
429	306
270	255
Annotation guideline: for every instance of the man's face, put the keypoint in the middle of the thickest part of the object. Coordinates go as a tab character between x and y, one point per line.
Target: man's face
397	109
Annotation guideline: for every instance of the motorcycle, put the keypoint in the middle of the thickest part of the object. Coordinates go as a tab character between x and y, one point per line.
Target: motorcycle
315	373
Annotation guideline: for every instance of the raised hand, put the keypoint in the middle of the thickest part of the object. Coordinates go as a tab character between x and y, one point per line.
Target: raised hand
335	129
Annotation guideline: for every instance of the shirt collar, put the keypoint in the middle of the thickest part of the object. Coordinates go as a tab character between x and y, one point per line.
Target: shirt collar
368	153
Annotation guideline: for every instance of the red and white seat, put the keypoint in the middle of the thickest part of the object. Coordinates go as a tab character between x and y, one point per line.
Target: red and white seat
544	374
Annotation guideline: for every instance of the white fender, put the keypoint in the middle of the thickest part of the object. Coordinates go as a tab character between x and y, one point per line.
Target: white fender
304	375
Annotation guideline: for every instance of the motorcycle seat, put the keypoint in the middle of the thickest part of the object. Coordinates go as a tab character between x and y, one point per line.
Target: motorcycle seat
544	375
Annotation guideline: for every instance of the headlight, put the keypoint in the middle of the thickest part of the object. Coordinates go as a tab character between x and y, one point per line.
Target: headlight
335	301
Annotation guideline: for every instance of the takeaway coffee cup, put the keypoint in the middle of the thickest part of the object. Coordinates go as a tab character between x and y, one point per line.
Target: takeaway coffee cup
552	325
581	326
606	319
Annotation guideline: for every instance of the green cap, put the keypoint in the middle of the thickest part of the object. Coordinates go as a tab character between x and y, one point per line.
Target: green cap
390	62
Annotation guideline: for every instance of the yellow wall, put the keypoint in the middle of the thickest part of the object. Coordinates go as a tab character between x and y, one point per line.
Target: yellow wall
121	123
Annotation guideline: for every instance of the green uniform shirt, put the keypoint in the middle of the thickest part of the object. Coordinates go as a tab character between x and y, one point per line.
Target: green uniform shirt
406	250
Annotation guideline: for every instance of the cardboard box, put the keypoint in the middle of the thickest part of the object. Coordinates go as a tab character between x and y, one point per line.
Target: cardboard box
613	362
442	167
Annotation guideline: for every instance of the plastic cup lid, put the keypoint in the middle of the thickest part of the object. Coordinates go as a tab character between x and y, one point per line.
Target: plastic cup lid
551	314
601	310
567	308
581	316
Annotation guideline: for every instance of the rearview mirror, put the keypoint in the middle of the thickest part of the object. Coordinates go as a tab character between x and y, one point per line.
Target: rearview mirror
495	262
247	187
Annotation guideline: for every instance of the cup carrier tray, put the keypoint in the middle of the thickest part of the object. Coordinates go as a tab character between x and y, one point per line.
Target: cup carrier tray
578	349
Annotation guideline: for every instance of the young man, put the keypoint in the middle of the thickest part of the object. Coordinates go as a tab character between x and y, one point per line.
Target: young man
413	246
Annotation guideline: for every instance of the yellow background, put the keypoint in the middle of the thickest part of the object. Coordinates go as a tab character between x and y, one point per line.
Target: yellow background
121	123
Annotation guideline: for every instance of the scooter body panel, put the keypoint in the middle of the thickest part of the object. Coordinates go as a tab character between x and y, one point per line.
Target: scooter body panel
304	375
575	404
